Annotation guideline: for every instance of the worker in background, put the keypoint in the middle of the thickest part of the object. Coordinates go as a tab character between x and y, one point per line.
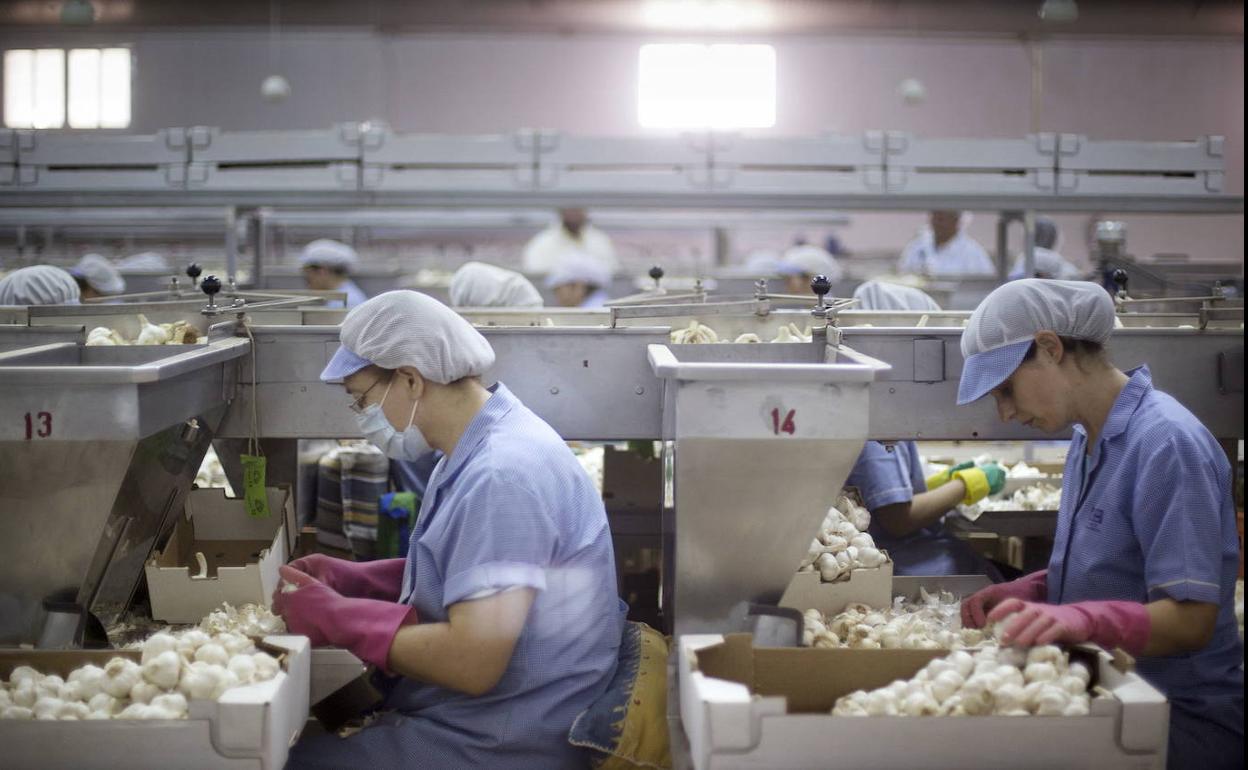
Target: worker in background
906	508
327	266
144	262
38	285
944	249
573	232
97	277
503	623
579	280
801	263
1049	263
477	284
1146	552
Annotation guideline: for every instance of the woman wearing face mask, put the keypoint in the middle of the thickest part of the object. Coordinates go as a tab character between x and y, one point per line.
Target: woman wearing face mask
502	624
1146	553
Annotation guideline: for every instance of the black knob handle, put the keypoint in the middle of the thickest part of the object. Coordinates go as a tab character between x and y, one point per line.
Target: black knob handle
210	285
193	271
820	285
656	272
1120	278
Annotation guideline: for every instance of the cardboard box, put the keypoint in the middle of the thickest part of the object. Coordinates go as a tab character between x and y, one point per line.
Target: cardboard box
243	554
748	707
872	587
250	727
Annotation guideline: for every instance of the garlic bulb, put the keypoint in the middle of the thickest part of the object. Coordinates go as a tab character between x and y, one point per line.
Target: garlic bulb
121	675
267	666
244	667
90	680
197	682
47	707
17	712
212	653
49	686
150	333
747	337
1040	672
103	702
190	641
173	704
225	679
73	711
163	670
694	334
17	675
144	691
24	694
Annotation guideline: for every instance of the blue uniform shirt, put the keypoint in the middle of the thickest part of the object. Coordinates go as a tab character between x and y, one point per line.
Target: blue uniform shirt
887	477
1155	519
511	507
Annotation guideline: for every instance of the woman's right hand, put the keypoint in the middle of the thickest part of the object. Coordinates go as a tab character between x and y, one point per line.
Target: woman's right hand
1029	588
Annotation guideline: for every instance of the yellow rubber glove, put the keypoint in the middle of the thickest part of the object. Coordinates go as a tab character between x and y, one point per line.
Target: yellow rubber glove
945	476
981	481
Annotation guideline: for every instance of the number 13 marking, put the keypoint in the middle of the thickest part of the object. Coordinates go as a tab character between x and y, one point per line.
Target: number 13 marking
785	426
38	425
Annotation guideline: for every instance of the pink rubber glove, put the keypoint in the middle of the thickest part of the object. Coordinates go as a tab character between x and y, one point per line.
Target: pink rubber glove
366	627
1029	588
1109	624
381	579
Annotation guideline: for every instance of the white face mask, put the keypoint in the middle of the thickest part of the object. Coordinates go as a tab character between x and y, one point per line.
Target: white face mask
408	445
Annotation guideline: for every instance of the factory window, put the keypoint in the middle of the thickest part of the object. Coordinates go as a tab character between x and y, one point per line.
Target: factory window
75	88
720	86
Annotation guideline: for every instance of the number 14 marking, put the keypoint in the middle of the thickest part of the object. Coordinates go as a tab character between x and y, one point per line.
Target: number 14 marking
785	426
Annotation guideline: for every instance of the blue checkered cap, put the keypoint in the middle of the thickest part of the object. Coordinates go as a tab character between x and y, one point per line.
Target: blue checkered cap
1001	329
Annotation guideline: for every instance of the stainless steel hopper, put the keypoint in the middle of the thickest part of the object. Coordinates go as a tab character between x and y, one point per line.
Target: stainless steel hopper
98	447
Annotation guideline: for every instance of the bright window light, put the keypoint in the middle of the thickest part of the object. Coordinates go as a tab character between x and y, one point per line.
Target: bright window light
34	88
39	94
720	86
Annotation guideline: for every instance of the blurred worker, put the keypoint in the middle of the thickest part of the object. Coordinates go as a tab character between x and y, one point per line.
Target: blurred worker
763	263
503	623
801	263
943	248
38	285
579	280
97	277
1146	552
477	284
573	232
145	262
906	509
326	266
1048	262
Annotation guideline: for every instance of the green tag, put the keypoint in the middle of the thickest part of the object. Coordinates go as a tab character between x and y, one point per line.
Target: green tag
253	486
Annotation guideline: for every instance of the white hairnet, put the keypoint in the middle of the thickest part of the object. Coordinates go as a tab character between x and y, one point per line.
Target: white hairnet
809	259
39	285
762	262
477	284
145	260
406	328
324	252
880	295
99	274
1018	310
579	267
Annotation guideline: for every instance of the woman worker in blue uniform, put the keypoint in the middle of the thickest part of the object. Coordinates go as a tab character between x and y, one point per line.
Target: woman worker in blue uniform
906	509
502	624
1146	554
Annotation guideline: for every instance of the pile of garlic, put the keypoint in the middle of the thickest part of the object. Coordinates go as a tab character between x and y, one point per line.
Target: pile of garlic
1037	497
248	620
700	334
842	544
174	669
995	681
932	623
176	333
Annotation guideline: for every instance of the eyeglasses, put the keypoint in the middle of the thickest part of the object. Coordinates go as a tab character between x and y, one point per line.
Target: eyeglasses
357	405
